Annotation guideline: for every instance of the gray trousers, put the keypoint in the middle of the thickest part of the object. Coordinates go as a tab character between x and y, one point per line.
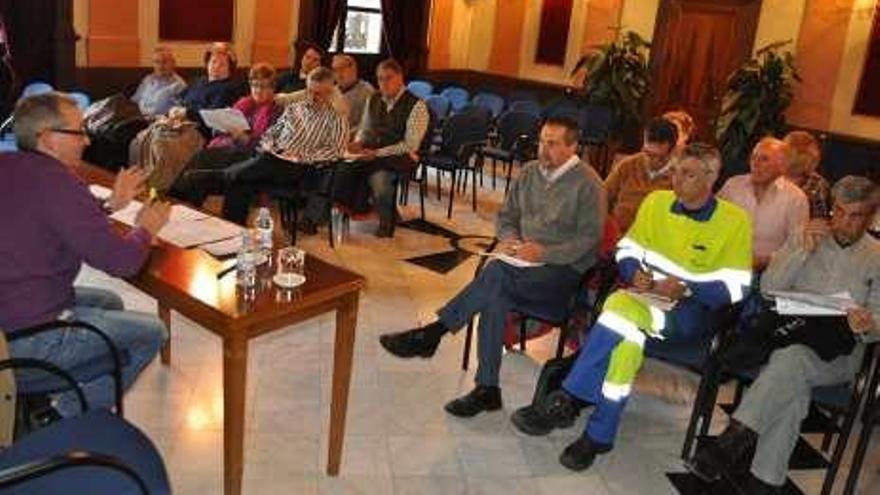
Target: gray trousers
774	406
498	289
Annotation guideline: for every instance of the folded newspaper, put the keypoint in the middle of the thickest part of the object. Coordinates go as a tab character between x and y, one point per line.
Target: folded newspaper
808	304
511	260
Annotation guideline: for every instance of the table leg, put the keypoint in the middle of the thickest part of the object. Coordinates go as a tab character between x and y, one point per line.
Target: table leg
234	383
165	316
343	349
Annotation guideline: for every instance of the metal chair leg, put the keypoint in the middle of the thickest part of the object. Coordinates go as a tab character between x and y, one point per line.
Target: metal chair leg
468	337
451	195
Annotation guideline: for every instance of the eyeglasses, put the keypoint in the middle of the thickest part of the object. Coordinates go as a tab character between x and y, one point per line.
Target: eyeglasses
72	132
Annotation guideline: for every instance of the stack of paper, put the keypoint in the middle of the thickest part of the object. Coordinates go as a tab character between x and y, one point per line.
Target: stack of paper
511	260
807	304
186	226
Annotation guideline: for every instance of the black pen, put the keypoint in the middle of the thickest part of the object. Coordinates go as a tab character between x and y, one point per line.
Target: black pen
226	271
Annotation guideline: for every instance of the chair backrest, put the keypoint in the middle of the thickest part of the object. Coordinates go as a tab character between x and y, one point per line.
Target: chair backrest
82	100
420	88
36	88
513	124
491	101
439	106
463	129
479	113
530	106
596	123
458	97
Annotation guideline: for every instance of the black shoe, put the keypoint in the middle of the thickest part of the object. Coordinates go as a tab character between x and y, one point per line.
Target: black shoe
411	343
731	452
581	453
308	227
559	410
482	398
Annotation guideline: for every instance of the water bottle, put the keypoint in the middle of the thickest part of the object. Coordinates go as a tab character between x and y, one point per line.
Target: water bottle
337	225
264	226
246	271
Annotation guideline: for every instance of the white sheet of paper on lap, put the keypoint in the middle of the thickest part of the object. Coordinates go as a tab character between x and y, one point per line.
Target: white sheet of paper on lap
226	120
511	260
653	300
807	304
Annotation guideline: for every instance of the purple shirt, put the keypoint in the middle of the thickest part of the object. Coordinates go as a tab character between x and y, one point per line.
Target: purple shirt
52	224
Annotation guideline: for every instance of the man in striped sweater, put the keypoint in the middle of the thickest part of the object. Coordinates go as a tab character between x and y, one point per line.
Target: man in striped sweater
686	248
309	132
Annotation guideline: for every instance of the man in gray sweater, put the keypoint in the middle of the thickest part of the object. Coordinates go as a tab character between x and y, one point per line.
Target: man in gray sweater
549	229
825	257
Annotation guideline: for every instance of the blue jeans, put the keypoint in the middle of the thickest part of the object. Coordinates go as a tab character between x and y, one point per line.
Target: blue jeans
498	289
140	335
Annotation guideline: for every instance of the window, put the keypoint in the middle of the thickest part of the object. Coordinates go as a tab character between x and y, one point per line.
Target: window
362	30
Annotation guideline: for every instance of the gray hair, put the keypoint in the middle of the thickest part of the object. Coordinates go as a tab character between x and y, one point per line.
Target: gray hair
782	146
319	75
708	156
855	189
35	114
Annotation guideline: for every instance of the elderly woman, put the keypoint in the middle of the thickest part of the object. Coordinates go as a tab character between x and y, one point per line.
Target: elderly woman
260	110
218	90
802	171
158	90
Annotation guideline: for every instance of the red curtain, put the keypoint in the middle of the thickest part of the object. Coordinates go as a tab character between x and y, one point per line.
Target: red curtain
405	32
318	20
196	20
868	97
553	32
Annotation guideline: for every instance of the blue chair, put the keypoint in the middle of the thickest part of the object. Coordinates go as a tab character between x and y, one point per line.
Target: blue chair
530	106
30	384
439	107
422	89
82	100
458	97
36	88
96	452
462	136
517	132
491	101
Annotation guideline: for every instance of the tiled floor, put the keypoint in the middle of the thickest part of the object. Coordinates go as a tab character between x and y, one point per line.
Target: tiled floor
399	440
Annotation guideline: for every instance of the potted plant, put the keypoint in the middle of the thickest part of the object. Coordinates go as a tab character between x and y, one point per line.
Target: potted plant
754	104
617	77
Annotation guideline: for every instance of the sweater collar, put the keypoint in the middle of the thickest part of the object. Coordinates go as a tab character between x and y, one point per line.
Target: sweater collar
701	214
552	176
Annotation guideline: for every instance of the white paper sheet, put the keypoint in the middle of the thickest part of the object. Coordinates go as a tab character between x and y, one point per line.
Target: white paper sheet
806	304
224	247
226	120
661	303
189	233
511	260
100	192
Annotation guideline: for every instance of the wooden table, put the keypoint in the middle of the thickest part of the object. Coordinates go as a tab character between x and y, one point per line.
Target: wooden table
185	280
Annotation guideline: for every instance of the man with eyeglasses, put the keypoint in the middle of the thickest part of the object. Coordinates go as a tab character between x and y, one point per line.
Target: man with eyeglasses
310	133
638	175
685	255
825	257
52	225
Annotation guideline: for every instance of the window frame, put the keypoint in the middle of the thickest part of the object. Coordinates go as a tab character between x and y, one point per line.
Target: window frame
338	43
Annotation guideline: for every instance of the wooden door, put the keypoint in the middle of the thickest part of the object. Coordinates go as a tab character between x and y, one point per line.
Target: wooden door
696	45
